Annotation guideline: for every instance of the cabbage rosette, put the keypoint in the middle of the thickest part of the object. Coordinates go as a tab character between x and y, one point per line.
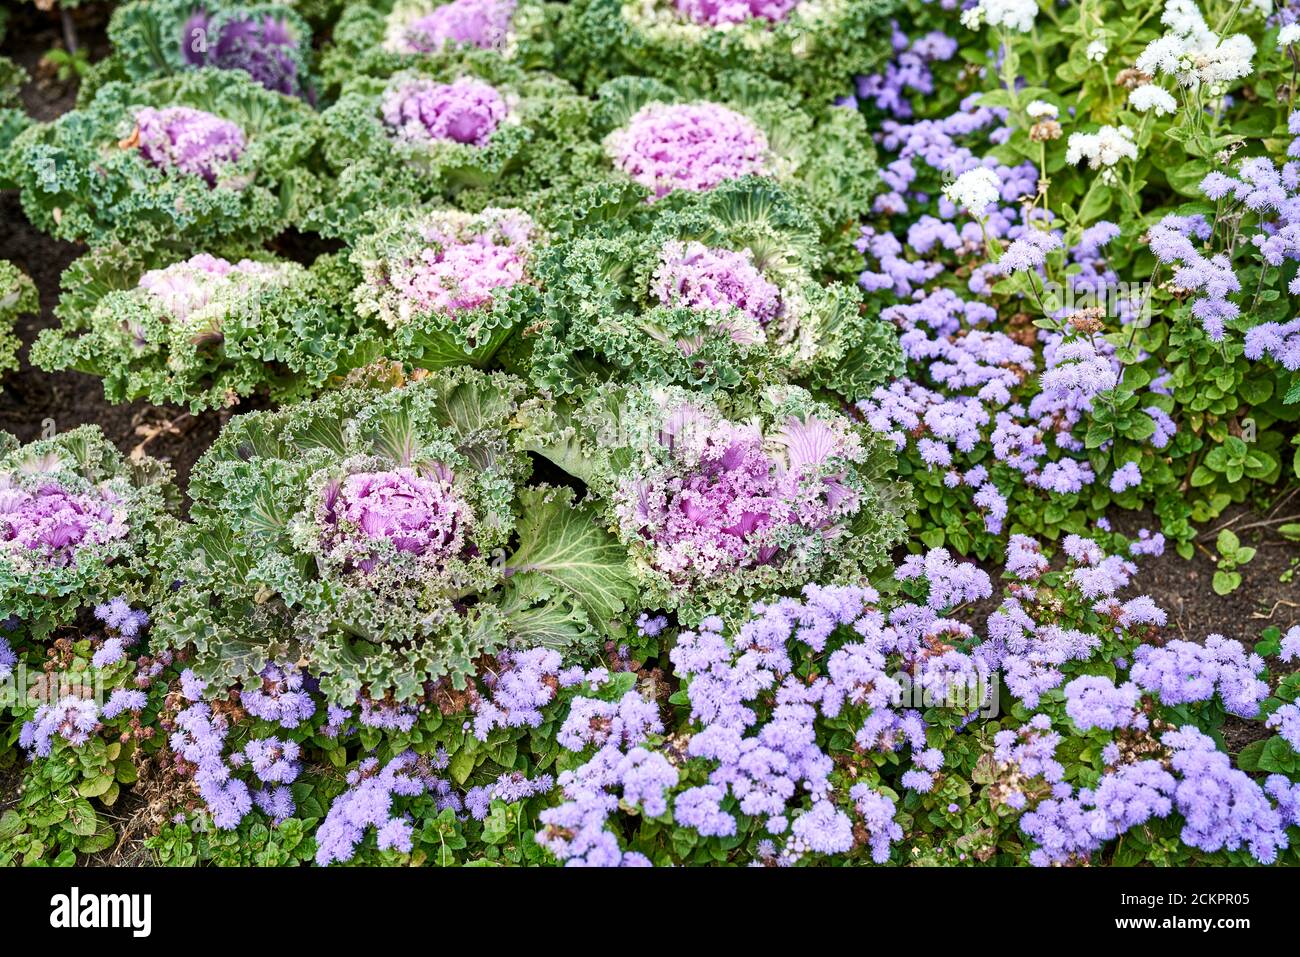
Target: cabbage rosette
471	130
383	538
722	499
668	142
193	159
78	525
205	330
713	290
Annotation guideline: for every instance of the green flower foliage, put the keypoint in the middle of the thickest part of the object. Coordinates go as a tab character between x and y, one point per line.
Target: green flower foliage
282	332
543	149
267	580
17	298
366	39
601	320
44	587
822	156
82	179
623	442
817	49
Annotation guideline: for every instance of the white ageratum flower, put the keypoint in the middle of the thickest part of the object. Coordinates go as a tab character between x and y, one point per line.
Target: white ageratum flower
1041	109
976	189
1096	51
1013	14
1102	149
1194	53
1152	97
1288	35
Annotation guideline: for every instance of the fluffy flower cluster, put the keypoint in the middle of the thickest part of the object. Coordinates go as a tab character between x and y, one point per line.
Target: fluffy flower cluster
691	146
187	140
368	803
1193	53
1182	672
72	718
621	772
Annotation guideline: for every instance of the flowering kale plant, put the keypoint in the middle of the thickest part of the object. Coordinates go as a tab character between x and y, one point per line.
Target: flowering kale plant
719	500
205	156
810	44
667	142
269	42
382	37
77	523
384	537
710	289
675	432
447	286
472	128
203	330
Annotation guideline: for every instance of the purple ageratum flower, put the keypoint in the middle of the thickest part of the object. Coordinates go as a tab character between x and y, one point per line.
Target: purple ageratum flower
1290	648
692	146
699	277
47	526
1092	701
74	719
1182	672
416	514
122	618
1222	807
877	812
476	23
422	111
715	12
263	47
729	503
1287	721
7	659
1125	477
186	140
1280	341
279	697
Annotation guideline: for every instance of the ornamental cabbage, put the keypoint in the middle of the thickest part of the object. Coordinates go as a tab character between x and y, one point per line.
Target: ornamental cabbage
381	37
472	130
197	158
812	45
719	500
711	290
152	38
78	525
449	285
372	535
751	126
203	331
